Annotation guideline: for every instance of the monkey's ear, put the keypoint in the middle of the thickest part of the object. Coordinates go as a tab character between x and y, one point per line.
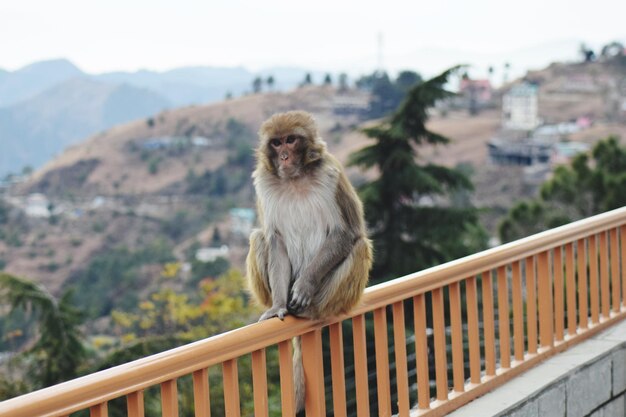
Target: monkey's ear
312	156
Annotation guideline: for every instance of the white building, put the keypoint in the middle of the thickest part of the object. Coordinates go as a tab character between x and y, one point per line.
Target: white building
37	205
520	109
242	221
211	254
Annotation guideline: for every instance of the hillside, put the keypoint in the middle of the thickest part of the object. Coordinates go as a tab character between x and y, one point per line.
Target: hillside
170	179
35	130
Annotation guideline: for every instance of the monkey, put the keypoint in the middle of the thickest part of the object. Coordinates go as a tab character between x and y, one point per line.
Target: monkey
311	255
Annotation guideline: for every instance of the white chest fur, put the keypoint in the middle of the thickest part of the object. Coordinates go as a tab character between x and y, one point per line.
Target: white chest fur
302	211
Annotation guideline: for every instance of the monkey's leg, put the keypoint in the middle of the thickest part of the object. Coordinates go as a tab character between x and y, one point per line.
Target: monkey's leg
256	269
342	288
279	272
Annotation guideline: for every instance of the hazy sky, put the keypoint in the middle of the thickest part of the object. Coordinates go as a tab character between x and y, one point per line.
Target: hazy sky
338	35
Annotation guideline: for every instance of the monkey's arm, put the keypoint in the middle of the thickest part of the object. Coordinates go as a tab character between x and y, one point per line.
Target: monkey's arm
336	247
279	271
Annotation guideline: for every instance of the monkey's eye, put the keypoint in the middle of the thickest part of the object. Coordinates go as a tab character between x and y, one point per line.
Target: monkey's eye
291	138
275	142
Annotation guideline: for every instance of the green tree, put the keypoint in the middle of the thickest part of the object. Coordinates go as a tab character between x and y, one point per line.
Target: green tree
328	79
270	82
308	79
58	351
590	184
257	84
409	206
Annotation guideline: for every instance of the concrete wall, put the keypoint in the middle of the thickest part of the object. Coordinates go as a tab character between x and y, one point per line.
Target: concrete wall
587	380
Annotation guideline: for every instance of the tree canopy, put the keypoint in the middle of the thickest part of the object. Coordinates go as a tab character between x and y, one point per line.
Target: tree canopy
412	219
591	184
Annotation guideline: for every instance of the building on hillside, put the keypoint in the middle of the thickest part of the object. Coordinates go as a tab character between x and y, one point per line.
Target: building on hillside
210	254
475	94
524	152
520	108
37	205
242	221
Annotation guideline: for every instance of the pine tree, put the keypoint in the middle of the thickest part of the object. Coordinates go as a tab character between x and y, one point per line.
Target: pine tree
58	351
408	207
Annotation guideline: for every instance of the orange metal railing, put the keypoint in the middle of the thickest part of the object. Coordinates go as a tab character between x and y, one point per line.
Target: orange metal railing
493	315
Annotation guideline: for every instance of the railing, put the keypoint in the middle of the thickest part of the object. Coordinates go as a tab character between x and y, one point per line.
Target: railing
537	297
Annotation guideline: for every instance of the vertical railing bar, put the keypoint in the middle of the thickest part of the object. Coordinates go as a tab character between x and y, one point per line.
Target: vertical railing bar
583	311
594	287
169	398
99	410
531	305
456	328
360	366
313	365
232	405
604	274
402	374
571	289
439	328
488	320
544	285
338	369
615	278
472	329
518	312
287	392
259	383
201	400
559	304
623	263
134	404
504	334
382	362
421	352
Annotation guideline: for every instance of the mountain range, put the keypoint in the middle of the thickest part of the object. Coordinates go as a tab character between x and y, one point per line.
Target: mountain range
49	105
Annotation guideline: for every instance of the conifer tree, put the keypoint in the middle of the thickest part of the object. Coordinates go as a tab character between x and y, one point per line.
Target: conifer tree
408	207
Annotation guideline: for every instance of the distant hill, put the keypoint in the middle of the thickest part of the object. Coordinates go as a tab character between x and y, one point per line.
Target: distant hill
48	105
35	130
33	79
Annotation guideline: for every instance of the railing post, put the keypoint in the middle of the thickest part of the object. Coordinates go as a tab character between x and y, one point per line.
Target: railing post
201	399
169	398
287	394
545	300
338	369
583	311
360	366
313	364
382	362
488	320
259	383
559	304
134	404
504	333
439	328
531	305
421	352
402	375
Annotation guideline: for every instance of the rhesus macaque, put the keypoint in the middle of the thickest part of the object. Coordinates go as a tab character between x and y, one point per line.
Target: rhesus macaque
311	256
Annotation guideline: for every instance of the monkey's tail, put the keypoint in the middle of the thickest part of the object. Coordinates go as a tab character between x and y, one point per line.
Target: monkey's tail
298	373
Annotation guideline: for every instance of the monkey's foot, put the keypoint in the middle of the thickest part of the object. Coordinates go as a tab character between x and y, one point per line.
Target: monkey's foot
279	312
301	297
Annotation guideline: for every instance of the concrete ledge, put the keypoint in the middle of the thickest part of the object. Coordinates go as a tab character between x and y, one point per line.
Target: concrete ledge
586	380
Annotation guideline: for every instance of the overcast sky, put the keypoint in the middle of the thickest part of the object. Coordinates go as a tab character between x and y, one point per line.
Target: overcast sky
337	35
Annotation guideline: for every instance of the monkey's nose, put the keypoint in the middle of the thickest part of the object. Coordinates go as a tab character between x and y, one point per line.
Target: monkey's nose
284	156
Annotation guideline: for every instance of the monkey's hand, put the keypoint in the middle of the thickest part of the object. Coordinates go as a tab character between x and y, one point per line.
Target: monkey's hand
301	295
274	311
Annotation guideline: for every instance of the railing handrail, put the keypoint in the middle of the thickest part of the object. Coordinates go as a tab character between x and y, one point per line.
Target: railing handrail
105	385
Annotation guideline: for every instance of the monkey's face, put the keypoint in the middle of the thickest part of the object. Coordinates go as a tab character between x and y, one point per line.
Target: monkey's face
286	154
